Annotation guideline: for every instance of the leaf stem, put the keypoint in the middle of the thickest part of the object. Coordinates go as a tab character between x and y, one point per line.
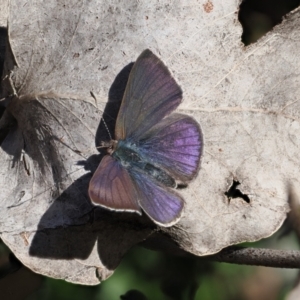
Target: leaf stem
289	259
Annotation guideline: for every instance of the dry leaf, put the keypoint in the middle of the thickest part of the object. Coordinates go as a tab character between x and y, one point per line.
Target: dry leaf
246	100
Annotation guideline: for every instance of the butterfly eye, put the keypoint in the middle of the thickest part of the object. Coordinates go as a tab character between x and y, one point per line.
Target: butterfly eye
110	149
111	146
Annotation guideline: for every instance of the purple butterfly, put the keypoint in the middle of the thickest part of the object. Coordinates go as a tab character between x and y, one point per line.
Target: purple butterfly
153	151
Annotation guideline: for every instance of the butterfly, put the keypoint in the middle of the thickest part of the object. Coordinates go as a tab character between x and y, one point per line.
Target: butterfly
153	151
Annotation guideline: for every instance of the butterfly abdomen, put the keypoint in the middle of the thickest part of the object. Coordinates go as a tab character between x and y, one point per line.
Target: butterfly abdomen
159	175
129	157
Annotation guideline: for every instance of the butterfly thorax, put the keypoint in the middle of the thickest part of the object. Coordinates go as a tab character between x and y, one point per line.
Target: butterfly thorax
131	158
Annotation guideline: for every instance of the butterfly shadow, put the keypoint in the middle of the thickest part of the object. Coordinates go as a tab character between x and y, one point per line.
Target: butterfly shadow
106	126
71	226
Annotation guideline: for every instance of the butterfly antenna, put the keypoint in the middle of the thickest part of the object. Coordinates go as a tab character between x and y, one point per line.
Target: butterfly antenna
110	137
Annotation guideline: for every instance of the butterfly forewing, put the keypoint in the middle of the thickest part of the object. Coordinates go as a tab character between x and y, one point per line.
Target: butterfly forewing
111	186
175	144
151	94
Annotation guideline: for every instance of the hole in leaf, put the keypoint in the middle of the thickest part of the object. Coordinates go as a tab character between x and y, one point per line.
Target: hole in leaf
233	192
258	17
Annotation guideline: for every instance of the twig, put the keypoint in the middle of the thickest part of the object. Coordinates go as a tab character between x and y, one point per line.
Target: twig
289	259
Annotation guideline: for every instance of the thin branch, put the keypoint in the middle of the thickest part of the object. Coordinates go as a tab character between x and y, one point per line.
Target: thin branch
289	259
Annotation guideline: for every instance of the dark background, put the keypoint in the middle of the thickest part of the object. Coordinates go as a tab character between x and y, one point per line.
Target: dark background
145	274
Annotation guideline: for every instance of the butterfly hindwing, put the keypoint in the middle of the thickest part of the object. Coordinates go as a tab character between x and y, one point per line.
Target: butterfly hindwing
151	94
111	186
163	205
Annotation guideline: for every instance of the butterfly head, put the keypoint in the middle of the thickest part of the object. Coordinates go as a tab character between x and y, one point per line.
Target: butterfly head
110	146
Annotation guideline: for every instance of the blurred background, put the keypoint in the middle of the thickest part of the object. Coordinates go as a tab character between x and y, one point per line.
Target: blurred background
145	274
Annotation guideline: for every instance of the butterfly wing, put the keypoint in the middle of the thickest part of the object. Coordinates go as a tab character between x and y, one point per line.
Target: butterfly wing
163	205
114	188
151	94
111	187
175	145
